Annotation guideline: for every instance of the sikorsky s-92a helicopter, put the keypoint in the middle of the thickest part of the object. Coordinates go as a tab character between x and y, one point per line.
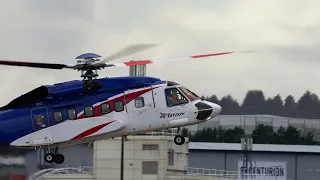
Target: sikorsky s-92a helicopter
83	111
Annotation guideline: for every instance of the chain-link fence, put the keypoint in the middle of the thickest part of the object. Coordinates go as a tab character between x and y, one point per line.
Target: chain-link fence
250	122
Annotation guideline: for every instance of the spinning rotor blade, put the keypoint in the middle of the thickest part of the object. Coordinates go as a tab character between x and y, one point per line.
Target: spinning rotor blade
35	64
128	51
143	62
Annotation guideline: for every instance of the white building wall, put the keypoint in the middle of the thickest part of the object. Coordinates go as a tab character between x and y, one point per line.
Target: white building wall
107	156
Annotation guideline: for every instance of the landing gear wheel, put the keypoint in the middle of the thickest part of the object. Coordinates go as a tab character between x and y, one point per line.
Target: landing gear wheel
179	139
49	158
59	158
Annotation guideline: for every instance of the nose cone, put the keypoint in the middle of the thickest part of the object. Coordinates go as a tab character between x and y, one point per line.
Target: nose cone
207	110
217	108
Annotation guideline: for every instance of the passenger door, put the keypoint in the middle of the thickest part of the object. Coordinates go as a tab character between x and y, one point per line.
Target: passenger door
39	117
40	120
141	109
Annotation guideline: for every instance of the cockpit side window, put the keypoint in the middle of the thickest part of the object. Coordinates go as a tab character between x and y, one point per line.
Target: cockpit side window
174	97
190	95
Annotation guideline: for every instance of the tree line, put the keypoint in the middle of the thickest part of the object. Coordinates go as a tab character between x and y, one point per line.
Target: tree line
255	102
262	134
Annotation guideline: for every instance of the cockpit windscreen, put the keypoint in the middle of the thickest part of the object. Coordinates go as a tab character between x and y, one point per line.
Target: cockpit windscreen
190	95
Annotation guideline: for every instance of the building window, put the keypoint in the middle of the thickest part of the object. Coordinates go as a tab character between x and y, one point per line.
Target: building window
118	106
139	102
105	108
150	147
57	116
170	157
72	114
150	167
88	111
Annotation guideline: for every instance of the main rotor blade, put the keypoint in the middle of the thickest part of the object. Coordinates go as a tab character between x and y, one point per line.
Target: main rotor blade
35	64
128	51
144	62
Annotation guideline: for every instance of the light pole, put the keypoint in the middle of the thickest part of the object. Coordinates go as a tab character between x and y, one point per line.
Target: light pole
246	147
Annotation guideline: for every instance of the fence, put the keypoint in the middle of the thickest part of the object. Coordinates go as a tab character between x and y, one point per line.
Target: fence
249	123
192	172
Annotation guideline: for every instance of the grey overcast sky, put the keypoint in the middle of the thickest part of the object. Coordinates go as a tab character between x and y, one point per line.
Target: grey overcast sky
284	33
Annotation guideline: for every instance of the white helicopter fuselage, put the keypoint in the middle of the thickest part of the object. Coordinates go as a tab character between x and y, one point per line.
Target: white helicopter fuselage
144	110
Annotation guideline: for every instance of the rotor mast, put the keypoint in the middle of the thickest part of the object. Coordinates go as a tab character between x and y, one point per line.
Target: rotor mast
88	66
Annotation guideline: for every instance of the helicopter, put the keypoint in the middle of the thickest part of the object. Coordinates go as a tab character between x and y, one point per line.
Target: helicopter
91	109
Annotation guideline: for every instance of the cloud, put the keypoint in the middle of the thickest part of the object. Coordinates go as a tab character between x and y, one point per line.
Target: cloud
285	34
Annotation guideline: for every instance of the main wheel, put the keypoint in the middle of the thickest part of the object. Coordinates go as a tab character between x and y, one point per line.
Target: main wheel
179	139
49	158
59	158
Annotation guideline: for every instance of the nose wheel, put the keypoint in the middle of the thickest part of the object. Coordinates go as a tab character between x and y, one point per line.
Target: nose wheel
54	157
49	158
179	139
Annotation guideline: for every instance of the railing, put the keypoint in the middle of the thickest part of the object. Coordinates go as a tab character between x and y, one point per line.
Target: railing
170	132
227	174
211	172
67	170
39	174
81	169
192	171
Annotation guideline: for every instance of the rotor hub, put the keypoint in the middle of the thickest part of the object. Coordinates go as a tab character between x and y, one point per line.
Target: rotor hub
88	66
88	56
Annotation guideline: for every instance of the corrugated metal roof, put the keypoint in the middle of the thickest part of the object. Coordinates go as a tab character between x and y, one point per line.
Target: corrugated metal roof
256	147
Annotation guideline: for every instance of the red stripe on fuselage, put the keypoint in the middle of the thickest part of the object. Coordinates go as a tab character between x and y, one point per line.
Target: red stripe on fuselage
97	111
91	131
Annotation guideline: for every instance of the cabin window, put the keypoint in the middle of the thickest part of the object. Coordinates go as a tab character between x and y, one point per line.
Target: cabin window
118	106
105	108
88	111
57	116
72	114
174	97
139	102
39	119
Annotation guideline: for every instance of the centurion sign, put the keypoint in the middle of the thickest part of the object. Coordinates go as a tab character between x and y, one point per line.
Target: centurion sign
262	170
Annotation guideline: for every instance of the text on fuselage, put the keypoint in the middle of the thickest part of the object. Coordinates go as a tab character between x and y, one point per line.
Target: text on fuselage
169	115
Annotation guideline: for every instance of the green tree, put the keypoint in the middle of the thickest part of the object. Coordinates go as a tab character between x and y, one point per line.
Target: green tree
308	139
233	135
290	106
274	106
254	102
308	105
213	99
229	104
263	134
290	135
